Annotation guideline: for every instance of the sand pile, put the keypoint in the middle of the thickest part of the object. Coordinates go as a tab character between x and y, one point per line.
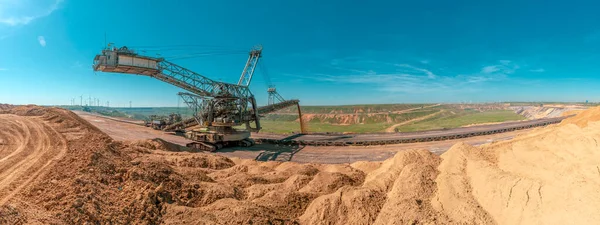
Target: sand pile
399	191
572	112
584	117
548	176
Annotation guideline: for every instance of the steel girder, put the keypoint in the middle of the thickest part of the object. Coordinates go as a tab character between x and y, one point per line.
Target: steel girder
248	71
198	84
273	95
220	110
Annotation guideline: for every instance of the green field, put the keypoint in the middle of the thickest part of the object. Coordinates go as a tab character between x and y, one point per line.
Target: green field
285	127
446	120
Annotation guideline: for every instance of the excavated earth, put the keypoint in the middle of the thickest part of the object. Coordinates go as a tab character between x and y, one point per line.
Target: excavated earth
56	168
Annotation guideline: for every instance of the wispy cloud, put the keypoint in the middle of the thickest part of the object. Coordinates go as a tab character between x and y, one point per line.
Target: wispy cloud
494	72
42	41
489	69
3	69
540	70
12	15
424	61
388	82
417	69
504	66
406	78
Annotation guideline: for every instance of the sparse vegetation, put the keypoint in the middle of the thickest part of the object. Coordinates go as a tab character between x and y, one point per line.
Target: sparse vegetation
449	117
468	117
293	126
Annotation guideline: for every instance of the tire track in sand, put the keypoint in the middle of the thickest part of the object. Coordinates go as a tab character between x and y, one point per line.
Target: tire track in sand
13	135
31	154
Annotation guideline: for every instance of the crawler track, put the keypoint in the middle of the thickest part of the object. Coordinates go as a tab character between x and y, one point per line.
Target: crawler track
399	138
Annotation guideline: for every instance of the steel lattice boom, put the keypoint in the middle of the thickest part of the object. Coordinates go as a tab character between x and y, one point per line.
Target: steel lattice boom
273	95
218	106
250	66
228	104
124	60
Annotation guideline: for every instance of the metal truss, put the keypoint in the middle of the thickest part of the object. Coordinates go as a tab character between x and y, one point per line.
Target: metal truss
248	71
273	95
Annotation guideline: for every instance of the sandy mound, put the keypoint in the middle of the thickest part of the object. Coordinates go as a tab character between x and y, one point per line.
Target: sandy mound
572	112
365	166
548	176
522	181
404	183
544	178
582	118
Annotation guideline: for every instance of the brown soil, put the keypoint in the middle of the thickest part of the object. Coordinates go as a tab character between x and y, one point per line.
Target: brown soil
56	168
572	112
5	106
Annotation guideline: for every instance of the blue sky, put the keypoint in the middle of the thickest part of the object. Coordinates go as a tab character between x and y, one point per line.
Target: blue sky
321	52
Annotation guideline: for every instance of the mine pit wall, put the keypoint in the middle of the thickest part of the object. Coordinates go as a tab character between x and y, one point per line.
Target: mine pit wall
401	140
536	112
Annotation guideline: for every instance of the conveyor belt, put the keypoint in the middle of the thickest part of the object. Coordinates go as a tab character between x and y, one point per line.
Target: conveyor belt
398	138
277	106
181	125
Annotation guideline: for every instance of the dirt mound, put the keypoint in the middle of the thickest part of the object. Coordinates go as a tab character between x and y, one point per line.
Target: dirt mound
523	181
365	166
584	117
5	106
102	181
404	183
572	112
